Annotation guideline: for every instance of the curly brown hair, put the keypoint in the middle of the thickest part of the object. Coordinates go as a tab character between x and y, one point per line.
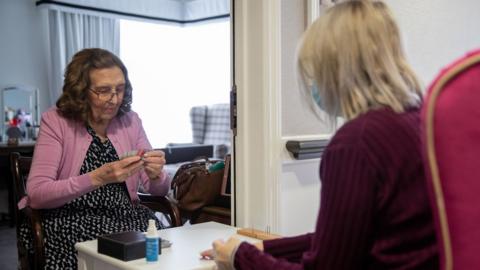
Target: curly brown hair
73	103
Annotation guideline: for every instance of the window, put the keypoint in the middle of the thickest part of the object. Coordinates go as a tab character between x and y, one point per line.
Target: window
173	68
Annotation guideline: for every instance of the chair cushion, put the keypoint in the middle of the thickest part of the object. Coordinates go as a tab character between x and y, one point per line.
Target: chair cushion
452	140
217	129
198	118
211	125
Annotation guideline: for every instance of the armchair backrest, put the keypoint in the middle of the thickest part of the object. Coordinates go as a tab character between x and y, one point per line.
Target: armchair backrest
198	118
20	167
211	125
452	158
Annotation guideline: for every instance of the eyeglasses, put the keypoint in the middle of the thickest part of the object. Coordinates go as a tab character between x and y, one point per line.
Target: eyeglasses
106	93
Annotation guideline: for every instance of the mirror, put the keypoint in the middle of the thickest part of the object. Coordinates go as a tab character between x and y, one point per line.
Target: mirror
20	109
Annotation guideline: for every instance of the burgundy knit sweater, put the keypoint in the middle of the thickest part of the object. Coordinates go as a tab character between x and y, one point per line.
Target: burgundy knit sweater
374	209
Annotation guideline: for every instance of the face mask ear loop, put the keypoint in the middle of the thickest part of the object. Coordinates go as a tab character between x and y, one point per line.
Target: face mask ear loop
316	96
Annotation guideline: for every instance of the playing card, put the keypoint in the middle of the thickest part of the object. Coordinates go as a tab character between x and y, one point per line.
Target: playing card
139	152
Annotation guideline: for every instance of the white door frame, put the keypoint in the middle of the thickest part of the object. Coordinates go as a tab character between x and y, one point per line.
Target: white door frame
258	142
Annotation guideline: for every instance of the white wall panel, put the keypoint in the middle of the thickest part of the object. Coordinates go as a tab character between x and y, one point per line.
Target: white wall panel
297	118
436	32
300	198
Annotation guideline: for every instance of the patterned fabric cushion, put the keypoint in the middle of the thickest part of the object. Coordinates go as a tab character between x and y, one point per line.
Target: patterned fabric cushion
217	130
211	125
198	116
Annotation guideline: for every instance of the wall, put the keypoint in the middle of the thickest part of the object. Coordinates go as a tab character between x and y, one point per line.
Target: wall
22	47
300	185
436	32
294	121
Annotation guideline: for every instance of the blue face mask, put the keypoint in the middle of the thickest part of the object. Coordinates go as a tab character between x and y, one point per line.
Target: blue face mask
316	96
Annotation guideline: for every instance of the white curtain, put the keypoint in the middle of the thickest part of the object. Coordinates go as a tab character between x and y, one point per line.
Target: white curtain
70	32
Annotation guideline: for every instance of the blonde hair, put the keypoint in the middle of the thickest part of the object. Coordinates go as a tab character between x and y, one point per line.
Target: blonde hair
354	56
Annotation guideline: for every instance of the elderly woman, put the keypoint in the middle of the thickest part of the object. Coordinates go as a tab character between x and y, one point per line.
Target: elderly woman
374	210
76	177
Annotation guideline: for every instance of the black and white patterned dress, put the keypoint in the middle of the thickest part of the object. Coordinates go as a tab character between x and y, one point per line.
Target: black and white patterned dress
107	209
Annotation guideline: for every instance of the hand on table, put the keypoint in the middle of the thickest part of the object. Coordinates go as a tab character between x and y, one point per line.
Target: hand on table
223	252
209	253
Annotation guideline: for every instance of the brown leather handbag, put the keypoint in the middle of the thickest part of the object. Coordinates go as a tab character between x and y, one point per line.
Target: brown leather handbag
197	184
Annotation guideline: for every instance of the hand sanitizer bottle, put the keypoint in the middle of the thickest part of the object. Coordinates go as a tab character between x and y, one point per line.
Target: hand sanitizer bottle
151	242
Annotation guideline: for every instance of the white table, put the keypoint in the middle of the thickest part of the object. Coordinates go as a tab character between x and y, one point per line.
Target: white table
187	243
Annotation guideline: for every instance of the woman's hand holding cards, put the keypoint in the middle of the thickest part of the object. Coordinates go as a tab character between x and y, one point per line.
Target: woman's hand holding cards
153	163
154	160
117	171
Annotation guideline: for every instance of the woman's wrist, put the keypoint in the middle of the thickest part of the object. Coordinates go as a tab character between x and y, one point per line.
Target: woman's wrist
155	179
232	255
159	177
259	245
95	179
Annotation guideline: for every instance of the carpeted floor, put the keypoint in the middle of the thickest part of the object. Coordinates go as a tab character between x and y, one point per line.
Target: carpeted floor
8	248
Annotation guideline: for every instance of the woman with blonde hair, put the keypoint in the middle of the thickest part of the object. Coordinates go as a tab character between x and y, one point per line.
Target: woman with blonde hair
374	210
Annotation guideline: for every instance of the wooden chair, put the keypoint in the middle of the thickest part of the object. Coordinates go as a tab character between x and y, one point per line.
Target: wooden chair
451	116
164	205
20	166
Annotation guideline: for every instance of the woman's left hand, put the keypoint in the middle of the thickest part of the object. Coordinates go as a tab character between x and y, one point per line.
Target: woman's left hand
153	163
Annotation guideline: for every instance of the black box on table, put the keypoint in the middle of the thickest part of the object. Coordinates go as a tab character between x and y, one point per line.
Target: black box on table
125	246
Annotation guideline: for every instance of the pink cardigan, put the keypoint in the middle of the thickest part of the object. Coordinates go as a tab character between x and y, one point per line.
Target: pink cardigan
61	147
